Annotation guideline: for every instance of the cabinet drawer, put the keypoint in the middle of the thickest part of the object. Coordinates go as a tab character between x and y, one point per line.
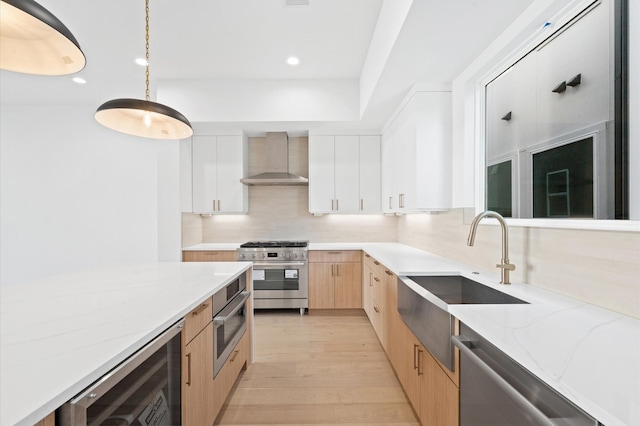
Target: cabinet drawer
197	319
229	372
335	256
209	256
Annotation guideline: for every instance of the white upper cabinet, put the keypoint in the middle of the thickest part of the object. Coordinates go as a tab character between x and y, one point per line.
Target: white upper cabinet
416	148
344	174
218	164
573	81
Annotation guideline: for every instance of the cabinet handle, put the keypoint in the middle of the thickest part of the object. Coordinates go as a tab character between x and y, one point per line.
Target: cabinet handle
376	262
390	202
188	369
420	372
575	81
370	279
218	205
200	309
214	205
366	255
376	279
337	270
233	357
386	271
401	200
507	117
334	252
337	205
375	308
560	88
332	265
415	356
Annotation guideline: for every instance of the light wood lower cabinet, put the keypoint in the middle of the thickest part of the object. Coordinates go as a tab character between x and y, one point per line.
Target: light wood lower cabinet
335	280
226	378
432	389
209	256
50	420
202	394
197	379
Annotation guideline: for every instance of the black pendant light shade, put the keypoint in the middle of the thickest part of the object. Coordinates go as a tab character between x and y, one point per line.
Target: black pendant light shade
143	118
34	41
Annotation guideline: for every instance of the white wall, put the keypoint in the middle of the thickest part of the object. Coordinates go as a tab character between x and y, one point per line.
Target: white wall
72	193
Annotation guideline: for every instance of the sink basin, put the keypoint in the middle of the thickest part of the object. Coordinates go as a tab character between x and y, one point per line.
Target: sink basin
457	290
433	325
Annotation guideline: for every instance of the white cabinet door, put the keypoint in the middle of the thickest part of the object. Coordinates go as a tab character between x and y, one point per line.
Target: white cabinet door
370	174
574	61
218	164
347	174
204	157
232	195
417	155
321	174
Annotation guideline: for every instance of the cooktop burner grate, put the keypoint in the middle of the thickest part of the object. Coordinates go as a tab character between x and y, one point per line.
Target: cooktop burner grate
274	244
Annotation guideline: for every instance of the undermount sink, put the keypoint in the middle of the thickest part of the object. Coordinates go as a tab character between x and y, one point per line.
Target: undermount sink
457	290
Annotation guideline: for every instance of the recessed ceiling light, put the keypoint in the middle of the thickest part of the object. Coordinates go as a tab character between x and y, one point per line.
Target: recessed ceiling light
292	60
141	61
79	80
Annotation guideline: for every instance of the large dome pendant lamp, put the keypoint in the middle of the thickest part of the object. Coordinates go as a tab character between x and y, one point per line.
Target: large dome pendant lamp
144	118
34	41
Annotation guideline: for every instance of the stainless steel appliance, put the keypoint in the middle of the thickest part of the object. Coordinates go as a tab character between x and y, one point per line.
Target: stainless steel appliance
280	273
229	320
495	390
142	390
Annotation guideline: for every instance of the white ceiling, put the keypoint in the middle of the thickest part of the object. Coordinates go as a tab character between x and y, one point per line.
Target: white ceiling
251	39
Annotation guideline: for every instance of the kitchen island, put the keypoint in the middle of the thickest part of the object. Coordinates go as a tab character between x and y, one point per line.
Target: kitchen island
60	334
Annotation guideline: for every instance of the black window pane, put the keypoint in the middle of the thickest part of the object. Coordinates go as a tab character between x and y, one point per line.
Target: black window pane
563	181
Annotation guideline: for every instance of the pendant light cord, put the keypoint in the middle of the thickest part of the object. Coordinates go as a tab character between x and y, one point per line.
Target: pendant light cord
146	10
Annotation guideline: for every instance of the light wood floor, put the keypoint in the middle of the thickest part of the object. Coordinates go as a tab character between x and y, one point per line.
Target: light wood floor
316	370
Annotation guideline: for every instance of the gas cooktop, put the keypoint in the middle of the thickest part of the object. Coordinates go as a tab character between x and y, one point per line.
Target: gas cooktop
275	244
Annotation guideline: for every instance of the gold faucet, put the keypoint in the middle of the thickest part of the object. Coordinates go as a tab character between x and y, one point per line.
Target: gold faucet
504	265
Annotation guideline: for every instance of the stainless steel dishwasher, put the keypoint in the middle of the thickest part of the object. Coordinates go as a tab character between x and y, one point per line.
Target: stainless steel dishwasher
495	390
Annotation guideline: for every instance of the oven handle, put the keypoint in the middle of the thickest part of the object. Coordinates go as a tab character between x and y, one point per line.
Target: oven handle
224	315
526	405
279	264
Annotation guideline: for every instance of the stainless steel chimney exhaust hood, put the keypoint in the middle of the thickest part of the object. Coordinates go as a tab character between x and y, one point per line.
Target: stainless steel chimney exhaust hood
277	163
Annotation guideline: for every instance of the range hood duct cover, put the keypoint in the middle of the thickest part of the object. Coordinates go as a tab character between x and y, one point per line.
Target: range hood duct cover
277	159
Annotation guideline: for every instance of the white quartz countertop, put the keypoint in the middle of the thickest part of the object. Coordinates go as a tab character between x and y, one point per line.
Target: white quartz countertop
59	335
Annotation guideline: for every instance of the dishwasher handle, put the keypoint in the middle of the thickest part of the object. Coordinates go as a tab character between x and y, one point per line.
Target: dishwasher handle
516	397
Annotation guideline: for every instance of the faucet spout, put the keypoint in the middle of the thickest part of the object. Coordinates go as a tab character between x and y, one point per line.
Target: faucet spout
504	265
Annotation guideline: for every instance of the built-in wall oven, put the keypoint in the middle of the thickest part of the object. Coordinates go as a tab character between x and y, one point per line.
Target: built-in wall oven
229	320
143	390
280	273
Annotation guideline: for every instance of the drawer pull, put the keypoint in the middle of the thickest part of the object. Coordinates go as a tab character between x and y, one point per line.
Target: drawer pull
334	252
200	309
233	357
420	372
560	88
375	308
188	369
386	271
575	81
376	262
376	279
415	356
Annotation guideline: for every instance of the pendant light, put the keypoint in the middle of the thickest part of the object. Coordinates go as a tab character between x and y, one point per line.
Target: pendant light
143	117
34	41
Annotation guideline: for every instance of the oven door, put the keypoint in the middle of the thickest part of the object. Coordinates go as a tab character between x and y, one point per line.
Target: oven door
280	280
229	326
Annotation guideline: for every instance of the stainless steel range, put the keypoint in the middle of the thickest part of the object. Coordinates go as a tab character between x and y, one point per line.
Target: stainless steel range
280	273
